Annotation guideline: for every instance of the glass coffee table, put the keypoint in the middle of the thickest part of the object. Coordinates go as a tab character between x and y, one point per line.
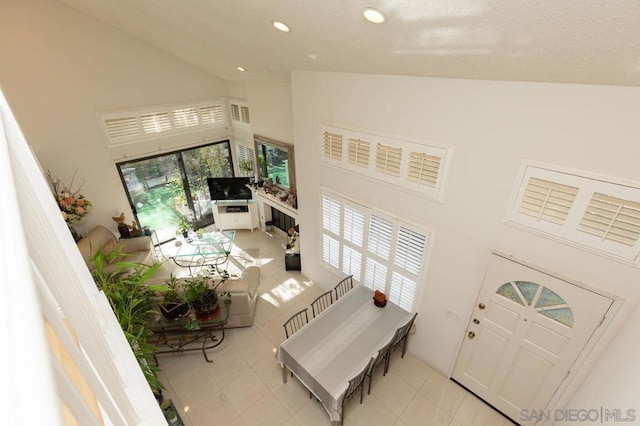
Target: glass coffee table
208	251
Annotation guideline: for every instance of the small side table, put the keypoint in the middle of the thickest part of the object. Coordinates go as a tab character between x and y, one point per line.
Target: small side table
292	262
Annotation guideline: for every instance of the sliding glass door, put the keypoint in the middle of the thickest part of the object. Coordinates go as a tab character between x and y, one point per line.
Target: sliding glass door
164	188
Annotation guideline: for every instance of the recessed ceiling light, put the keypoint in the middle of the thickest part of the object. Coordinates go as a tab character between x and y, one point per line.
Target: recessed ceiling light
373	15
240	69
282	27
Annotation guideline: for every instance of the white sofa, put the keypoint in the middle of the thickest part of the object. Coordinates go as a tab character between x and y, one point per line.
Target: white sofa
243	292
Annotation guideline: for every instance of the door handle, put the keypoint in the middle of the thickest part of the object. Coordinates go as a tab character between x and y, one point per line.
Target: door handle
471	335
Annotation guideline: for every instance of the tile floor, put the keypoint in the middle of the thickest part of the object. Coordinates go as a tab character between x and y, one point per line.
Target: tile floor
243	385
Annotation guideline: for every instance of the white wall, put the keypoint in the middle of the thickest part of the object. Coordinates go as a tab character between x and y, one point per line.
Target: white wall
271	110
492	126
59	66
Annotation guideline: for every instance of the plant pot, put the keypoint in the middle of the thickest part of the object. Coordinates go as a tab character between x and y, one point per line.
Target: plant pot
207	305
173	311
185	233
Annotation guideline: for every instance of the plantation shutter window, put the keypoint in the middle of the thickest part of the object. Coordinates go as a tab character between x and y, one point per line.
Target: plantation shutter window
235	112
388	160
592	212
358	152
332	146
380	231
548	201
403	291
612	219
423	169
156	123
118	128
244	113
331	215
410	250
354	225
212	114
331	251
375	276
351	262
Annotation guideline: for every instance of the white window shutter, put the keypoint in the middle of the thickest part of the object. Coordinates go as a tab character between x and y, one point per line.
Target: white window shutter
380	232
388	160
185	117
354	220
156	122
332	146
548	201
358	152
244	115
122	128
423	169
351	262
410	249
375	275
331	251
212	114
235	112
403	291
612	219
331	215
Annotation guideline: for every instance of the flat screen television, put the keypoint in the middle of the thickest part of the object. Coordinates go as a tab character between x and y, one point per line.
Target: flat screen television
229	188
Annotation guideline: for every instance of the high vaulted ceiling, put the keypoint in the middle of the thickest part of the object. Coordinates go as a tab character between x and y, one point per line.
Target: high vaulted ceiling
563	41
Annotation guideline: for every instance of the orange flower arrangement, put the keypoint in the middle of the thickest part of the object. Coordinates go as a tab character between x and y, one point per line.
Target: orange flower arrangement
73	205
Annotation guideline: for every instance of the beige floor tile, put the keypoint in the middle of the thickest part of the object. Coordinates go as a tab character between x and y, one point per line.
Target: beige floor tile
245	391
293	395
421	412
411	369
195	389
256	347
227	365
269	370
179	366
394	392
313	414
371	412
473	411
268	411
445	393
217	407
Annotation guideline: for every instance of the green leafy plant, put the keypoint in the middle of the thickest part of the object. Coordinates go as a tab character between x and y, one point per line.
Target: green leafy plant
246	166
126	289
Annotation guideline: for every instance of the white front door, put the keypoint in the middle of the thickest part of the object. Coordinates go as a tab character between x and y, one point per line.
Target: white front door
526	332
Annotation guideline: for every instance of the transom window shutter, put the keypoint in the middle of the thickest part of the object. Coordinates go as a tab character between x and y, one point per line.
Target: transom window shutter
423	169
332	146
547	201
388	160
358	152
375	275
330	251
235	112
353	225
331	215
212	114
156	123
351	262
403	291
186	117
124	127
241	152
612	219
380	232
244	113
410	249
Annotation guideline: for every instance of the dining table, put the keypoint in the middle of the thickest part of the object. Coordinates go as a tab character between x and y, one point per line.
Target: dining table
337	345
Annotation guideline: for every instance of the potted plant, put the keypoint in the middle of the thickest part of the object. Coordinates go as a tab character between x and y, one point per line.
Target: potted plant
246	166
184	225
202	295
173	304
131	300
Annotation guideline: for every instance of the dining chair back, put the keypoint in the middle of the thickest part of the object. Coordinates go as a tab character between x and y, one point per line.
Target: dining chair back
401	337
381	360
322	302
354	384
343	287
296	322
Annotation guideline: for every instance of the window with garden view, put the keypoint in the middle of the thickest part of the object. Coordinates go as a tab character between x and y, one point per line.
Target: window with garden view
169	188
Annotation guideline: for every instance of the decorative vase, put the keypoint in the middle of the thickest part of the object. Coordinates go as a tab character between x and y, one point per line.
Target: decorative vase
74	234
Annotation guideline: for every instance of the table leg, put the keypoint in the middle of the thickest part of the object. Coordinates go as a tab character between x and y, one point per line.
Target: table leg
284	374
